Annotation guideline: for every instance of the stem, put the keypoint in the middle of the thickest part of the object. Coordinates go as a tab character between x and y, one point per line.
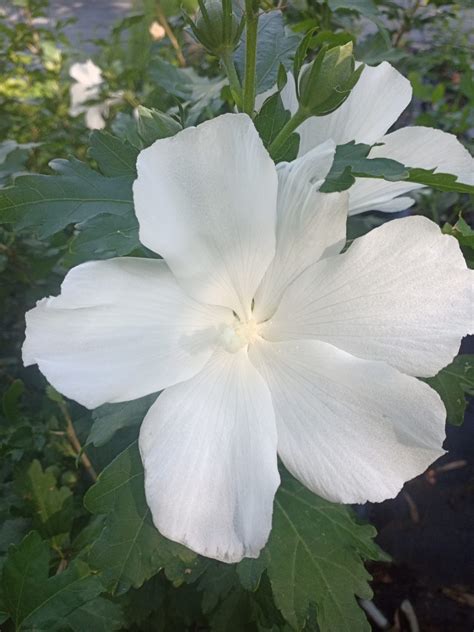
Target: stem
231	72
76	444
286	131
251	20
169	32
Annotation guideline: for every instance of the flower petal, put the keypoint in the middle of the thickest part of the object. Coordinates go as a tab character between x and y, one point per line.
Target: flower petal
310	225
401	294
375	103
351	430
120	329
206	201
208	447
421	147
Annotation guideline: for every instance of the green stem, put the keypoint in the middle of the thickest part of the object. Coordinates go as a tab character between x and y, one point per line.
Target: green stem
251	20
286	131
232	76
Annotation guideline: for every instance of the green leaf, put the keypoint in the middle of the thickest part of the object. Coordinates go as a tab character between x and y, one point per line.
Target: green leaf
465	236
200	93
153	124
130	550
50	203
110	418
51	506
367	8
315	556
351	161
102	237
375	49
275	46
453	384
98	615
439	181
114	156
11	399
35	601
269	121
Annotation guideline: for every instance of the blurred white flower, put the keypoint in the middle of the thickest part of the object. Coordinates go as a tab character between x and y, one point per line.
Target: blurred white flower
266	339
87	88
374	105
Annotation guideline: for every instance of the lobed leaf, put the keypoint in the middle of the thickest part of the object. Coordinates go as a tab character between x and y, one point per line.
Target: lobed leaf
50	203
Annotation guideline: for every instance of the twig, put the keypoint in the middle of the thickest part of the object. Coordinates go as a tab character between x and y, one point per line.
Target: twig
169	32
76	444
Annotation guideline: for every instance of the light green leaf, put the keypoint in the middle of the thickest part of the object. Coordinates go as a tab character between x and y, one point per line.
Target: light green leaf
130	550
110	418
276	45
35	601
453	384
114	156
50	203
315	556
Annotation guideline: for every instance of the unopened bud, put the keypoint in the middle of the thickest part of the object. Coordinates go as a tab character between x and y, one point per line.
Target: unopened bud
217	26
326	83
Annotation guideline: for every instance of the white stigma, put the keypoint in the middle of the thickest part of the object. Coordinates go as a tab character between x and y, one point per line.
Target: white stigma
239	334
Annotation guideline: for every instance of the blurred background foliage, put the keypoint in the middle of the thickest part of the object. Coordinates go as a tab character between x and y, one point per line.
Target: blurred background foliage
148	58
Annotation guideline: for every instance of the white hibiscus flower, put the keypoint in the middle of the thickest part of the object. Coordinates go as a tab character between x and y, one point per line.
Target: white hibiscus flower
266	339
87	87
373	106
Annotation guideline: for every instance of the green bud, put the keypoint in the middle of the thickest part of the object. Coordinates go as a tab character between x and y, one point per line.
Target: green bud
326	83
217	27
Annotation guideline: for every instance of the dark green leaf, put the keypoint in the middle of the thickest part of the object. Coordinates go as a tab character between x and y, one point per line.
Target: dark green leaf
269	121
275	46
11	399
351	161
110	418
35	601
130	550
98	615
102	237
51	506
453	384
315	556
440	181
114	156
367	8
50	203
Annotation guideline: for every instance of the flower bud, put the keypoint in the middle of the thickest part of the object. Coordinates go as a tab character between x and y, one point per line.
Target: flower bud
326	83
217	26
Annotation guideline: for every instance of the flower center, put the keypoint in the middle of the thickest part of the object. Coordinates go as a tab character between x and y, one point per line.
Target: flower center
239	334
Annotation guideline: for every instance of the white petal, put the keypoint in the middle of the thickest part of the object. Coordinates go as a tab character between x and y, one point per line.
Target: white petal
310	225
209	451
87	73
422	147
95	116
120	329
206	201
375	103
401	294
351	430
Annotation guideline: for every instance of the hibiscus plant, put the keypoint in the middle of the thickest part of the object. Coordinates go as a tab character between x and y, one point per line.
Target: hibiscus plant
266	371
